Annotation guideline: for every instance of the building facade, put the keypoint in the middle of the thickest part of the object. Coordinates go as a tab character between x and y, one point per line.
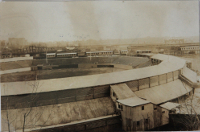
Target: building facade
190	49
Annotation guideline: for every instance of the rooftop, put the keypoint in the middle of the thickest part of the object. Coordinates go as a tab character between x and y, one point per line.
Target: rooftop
58	114
122	91
165	92
134	101
169	105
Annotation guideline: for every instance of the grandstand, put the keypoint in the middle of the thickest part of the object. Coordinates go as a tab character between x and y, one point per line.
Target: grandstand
89	103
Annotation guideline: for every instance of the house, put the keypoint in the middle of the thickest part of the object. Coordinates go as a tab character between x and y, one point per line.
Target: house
137	114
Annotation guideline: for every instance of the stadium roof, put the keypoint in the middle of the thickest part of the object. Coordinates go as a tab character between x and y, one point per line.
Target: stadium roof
165	92
169	64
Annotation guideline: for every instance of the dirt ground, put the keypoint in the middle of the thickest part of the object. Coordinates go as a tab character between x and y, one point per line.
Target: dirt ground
56	73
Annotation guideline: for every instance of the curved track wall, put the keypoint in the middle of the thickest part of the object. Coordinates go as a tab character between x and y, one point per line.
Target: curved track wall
59	96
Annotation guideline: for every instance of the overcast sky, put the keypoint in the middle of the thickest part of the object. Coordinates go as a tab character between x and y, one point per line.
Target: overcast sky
68	21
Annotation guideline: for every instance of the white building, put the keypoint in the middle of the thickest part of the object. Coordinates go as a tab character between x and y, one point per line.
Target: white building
189	49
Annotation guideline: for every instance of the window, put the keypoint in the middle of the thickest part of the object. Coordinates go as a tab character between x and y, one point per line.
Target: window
155	108
163	112
114	94
147	120
120	107
138	123
142	107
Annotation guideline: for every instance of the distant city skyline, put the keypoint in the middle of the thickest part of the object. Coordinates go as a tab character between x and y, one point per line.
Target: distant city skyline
100	20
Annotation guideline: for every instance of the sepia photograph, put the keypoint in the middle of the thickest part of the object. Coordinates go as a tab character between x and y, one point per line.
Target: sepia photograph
99	66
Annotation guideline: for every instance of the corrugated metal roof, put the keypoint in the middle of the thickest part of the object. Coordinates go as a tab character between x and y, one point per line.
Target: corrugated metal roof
67	112
168	64
122	91
163	93
134	101
169	105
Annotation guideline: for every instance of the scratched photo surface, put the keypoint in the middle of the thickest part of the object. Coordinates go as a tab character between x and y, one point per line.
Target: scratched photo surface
100	66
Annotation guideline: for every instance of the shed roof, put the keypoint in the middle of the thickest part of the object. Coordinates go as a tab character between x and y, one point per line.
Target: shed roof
163	93
134	101
126	96
169	105
122	91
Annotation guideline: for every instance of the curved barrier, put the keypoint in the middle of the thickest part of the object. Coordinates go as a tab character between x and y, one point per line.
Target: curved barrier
169	64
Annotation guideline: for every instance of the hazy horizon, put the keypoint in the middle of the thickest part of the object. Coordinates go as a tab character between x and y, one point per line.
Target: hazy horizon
99	20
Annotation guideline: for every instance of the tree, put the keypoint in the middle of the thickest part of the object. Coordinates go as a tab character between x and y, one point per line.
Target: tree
188	117
28	116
